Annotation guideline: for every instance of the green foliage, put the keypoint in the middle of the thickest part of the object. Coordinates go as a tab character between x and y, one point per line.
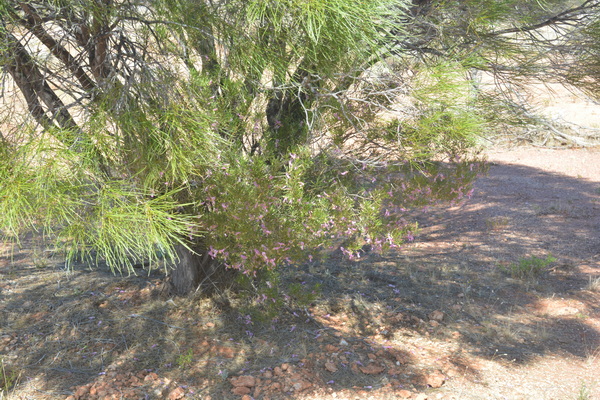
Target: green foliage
268	132
585	71
584	392
530	267
304	296
262	130
185	360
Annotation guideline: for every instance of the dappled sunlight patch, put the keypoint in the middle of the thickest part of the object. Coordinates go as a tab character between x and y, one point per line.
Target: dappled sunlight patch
559	307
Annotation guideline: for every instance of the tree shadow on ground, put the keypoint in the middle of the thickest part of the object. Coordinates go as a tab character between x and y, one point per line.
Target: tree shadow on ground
460	261
459	258
93	330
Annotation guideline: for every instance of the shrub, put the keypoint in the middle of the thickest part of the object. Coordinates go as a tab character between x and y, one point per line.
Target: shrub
529	267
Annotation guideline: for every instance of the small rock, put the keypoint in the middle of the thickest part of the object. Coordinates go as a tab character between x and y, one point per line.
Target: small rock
404	394
421	396
285	366
372	369
268	374
246	397
240	390
331	348
81	391
160	392
400	357
71	397
397	318
176	394
343	342
244	380
210	325
435	379
437	315
152	376
330	366
226	352
301	385
433	323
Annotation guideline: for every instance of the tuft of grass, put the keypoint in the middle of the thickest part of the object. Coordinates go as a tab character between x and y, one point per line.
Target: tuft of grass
592	355
584	392
497	223
529	267
39	259
185	360
594	284
557	208
9	378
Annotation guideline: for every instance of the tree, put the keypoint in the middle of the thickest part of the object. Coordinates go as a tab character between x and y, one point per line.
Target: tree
513	44
241	134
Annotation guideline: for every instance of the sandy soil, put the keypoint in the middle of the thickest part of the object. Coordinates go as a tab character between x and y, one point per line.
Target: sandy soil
534	202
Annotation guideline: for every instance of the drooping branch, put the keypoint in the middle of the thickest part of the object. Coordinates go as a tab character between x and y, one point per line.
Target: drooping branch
34	23
26	74
100	33
572	15
37	93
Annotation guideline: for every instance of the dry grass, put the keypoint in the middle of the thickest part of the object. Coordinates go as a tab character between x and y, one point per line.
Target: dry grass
9	379
88	323
594	284
497	223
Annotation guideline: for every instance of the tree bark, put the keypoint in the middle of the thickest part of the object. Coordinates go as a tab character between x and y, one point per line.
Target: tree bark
187	274
34	23
26	74
194	270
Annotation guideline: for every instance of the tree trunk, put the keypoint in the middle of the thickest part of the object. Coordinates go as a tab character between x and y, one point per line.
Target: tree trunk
194	270
187	274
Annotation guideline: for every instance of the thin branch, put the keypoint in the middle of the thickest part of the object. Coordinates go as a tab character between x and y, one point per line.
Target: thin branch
562	18
34	23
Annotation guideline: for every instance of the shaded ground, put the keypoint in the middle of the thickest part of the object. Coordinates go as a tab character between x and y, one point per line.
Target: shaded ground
443	319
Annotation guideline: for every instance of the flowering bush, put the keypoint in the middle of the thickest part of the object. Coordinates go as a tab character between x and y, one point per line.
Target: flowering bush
263	215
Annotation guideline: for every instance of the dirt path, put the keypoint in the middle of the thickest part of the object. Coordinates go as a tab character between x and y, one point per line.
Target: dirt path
442	319
546	330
